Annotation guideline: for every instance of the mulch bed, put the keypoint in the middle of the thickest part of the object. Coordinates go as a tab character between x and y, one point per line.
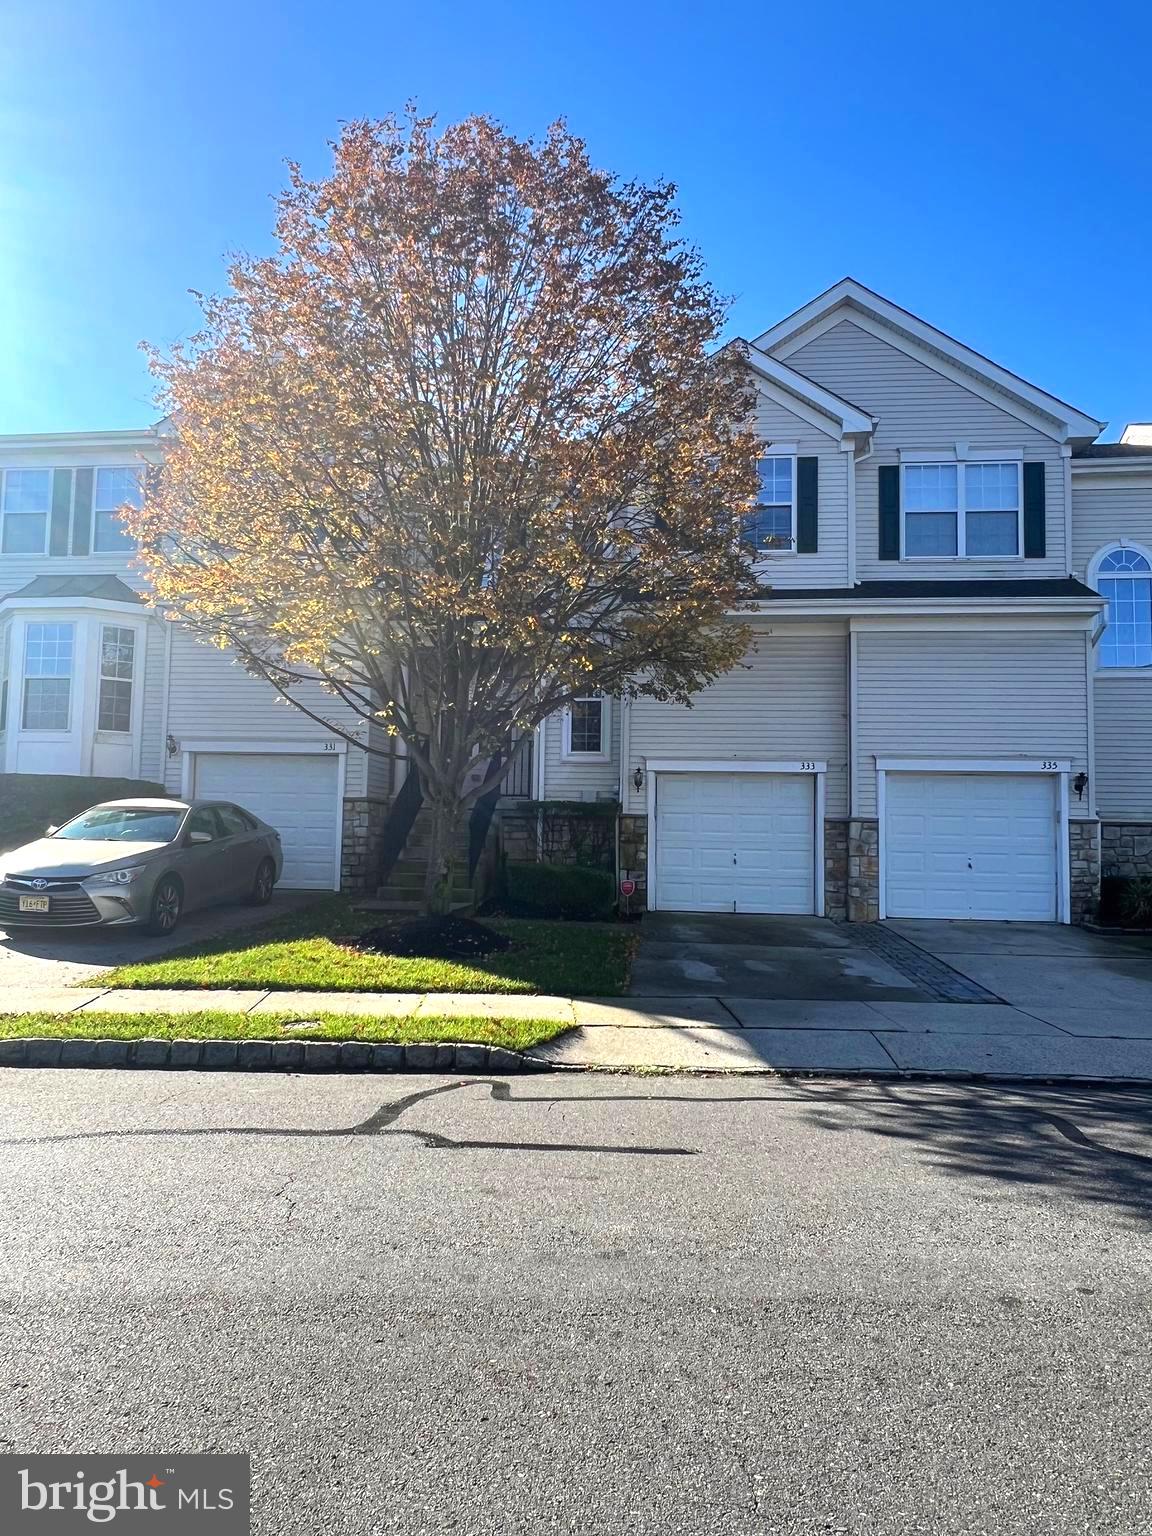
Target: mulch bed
431	938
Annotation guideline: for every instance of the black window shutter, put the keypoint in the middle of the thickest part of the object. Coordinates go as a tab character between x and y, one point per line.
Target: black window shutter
807	505
889	511
1034	519
61	512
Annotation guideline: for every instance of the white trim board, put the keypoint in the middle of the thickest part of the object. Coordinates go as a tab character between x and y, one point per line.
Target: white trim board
293	748
732	765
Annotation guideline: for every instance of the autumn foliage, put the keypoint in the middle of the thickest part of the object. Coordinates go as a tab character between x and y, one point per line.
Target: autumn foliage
462	446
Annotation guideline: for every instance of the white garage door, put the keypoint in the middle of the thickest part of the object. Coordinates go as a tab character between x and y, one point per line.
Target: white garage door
295	793
740	842
979	845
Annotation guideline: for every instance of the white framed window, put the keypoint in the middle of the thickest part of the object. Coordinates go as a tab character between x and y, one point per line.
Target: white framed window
1123	575
117	665
49	652
967	509
771	525
113	489
587	727
25	501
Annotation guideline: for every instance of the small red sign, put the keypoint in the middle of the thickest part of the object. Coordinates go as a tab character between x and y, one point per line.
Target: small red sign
627	887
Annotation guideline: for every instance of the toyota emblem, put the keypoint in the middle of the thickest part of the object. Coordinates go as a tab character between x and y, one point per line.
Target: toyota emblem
39	885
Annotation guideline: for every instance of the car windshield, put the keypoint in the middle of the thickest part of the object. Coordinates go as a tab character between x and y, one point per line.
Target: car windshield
125	824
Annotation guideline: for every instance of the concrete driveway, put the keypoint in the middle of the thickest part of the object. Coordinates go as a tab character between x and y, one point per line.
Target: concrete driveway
57	959
721	993
706	954
1066	976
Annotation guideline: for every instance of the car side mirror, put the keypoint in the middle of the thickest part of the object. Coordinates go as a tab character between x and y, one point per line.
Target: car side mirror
199	837
50	831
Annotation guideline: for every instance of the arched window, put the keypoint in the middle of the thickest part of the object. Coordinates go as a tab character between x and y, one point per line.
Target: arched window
1124	577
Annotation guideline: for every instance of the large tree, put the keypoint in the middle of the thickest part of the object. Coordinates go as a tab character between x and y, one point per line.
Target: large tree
461	447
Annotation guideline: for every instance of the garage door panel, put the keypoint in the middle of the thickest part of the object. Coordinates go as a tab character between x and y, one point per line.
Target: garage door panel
971	845
297	793
734	842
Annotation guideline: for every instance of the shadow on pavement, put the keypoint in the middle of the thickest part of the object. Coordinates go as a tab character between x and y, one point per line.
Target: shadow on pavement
1088	1144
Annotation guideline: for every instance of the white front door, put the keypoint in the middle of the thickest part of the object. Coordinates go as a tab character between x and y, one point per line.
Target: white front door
734	842
977	845
297	793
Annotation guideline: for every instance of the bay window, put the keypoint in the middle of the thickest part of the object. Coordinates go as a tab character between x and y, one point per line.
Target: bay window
117	662
48	659
964	509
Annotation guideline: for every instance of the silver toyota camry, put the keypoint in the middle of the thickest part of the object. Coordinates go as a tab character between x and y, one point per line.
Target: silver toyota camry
139	861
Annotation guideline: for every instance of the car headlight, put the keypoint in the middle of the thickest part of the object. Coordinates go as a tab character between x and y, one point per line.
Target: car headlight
115	876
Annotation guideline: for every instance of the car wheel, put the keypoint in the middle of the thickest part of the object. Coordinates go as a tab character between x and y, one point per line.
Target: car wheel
261	893
167	905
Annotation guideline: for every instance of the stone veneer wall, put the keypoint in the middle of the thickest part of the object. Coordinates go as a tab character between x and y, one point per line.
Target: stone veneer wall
1084	865
1126	848
634	857
863	870
363	840
836	870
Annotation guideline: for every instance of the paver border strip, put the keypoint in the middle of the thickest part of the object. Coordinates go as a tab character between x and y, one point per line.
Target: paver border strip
367	1056
150	1054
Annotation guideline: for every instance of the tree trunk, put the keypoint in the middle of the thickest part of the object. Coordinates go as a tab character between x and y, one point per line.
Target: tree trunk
446	817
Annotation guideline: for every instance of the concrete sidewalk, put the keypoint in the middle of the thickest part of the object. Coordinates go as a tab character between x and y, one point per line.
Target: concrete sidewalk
725	1034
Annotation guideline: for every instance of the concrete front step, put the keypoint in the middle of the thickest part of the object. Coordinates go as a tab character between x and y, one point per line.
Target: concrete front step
400	907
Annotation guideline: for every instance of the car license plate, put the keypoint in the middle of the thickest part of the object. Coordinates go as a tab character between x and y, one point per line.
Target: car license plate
34	903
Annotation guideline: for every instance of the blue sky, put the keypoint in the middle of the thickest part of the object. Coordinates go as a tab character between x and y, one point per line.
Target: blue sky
984	165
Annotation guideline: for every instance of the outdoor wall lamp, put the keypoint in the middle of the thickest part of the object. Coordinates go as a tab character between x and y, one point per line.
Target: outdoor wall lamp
171	745
638	779
1080	784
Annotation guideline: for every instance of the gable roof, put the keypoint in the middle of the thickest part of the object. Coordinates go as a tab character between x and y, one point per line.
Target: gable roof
792	388
851	300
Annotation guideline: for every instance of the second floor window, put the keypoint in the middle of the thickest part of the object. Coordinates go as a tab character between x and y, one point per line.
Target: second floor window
772	524
957	510
1124	577
48	650
114	488
25	500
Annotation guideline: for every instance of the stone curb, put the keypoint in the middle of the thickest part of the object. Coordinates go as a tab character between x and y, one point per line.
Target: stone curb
267	1056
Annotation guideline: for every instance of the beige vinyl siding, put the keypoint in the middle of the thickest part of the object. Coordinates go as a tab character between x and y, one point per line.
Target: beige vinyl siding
572	778
377	766
786	701
1104	511
981	693
1123	720
828	567
920	409
213	698
152	750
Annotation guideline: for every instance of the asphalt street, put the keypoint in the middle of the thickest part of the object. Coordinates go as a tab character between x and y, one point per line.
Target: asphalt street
590	1304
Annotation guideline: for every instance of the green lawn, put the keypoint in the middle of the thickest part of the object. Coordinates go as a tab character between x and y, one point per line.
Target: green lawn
512	1034
297	951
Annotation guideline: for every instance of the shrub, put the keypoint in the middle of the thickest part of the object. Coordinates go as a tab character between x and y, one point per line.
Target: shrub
1126	901
559	890
30	802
